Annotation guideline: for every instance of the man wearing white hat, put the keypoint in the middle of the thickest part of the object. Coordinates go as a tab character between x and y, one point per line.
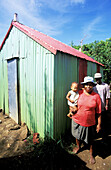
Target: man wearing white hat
103	90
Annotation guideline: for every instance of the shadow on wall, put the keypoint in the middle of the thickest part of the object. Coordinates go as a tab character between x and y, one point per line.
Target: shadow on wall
48	111
30	114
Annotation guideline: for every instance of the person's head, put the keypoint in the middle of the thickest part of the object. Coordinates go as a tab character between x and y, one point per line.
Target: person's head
88	84
98	77
74	86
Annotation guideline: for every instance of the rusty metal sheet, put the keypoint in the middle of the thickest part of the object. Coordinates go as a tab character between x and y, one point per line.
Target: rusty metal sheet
82	70
98	68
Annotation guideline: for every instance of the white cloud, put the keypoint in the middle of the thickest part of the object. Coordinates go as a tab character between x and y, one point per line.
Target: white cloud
89	28
60	5
32	13
29	13
78	1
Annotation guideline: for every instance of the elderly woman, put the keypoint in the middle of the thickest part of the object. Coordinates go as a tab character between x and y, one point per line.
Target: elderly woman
83	121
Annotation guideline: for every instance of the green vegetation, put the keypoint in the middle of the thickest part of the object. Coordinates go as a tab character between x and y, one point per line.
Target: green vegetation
101	52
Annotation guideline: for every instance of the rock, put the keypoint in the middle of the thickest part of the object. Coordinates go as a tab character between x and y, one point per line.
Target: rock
18	144
6	117
10	125
23	132
5	133
16	127
0	110
8	145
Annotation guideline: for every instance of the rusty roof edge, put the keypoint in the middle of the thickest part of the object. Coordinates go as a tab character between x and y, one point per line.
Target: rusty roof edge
93	60
90	59
51	48
6	36
84	58
47	45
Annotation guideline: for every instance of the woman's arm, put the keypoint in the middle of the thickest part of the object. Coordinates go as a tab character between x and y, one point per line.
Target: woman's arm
98	128
98	111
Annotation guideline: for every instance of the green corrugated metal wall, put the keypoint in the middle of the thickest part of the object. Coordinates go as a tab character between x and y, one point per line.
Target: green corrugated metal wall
3	82
65	73
91	68
36	81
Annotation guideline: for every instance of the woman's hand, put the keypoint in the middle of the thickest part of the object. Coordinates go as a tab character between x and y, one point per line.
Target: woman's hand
98	128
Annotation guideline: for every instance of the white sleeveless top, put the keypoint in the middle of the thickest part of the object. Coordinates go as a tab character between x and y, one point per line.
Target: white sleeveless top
74	96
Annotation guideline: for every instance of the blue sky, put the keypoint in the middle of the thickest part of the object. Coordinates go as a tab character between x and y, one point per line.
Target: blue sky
64	20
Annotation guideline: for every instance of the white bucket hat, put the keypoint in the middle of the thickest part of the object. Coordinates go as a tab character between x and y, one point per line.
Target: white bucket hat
97	75
88	79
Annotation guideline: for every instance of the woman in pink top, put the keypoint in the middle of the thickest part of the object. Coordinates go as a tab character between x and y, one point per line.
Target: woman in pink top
83	122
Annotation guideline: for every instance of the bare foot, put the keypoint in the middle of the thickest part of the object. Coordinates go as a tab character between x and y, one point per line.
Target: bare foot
92	160
76	150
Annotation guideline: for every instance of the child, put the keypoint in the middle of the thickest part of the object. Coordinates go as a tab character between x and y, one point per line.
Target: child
72	98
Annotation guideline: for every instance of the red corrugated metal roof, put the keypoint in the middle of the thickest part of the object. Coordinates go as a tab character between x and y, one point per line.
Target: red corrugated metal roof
49	43
5	37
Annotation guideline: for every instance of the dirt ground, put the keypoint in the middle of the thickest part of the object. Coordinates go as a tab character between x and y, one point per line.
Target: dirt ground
17	150
12	137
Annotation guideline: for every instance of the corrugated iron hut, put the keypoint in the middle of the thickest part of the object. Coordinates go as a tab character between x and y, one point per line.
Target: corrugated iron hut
36	72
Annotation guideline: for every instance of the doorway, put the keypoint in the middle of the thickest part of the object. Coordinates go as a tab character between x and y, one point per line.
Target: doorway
13	88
